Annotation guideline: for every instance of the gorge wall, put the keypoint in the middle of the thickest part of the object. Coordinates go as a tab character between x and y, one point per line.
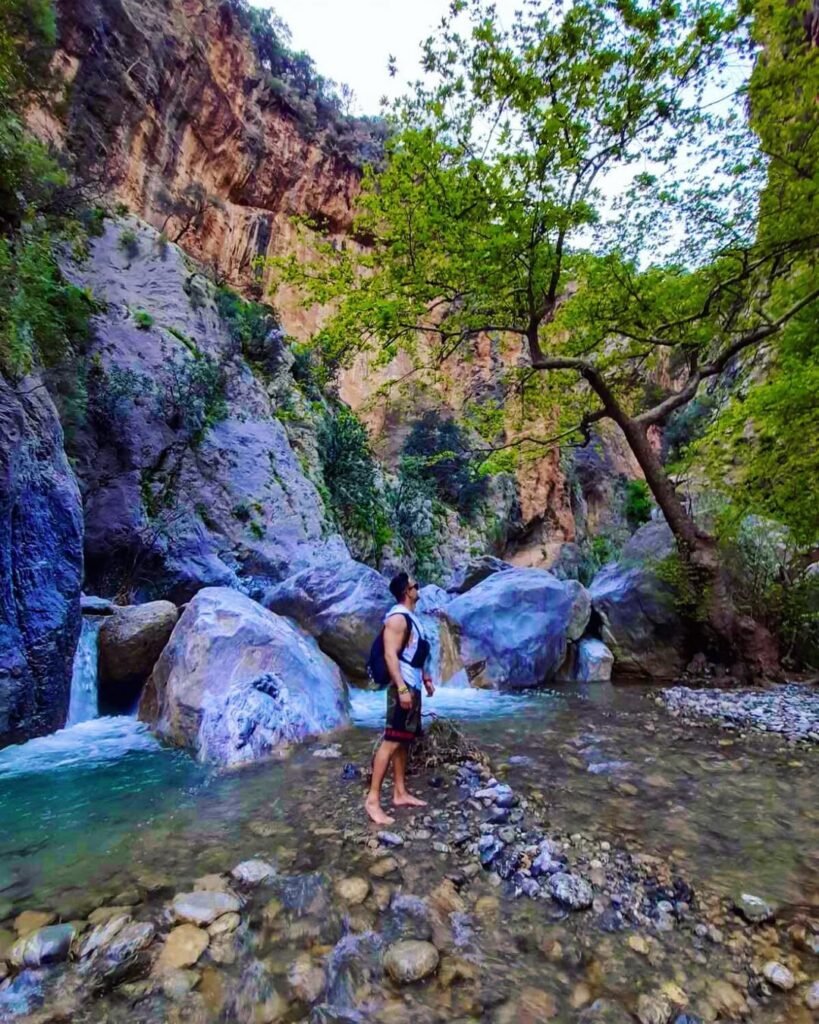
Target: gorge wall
167	107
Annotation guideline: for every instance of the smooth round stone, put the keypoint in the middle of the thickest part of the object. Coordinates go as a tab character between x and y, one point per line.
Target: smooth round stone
253	872
383	867
353	890
224	925
778	975
410	960
202	908
103	914
49	945
812	996
183	947
571	890
212	883
306	978
754	909
30	920
390	839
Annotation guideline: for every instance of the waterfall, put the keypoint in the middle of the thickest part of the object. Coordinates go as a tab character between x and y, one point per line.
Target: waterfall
83	703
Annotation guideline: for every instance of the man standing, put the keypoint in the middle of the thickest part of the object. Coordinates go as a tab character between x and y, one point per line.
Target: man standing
406	651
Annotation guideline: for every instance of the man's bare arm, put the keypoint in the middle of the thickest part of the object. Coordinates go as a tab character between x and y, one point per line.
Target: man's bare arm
394	632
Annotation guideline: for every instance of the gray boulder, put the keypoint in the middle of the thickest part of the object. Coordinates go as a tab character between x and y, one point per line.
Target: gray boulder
651	543
513	629
236	683
130	643
342	604
588	661
41	564
639	623
476	570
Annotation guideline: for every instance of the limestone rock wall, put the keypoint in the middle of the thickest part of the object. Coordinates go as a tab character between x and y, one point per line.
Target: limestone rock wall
41	564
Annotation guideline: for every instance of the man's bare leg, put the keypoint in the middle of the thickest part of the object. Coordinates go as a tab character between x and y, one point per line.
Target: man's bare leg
381	763
400	796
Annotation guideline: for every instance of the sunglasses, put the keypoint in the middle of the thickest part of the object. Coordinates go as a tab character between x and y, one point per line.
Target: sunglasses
413	586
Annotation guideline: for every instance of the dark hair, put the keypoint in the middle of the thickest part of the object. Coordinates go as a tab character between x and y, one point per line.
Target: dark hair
399	585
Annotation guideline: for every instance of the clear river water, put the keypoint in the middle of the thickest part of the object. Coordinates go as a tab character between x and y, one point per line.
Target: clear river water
100	809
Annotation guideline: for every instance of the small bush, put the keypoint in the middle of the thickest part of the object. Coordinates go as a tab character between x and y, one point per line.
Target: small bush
143	320
442	456
129	243
637	503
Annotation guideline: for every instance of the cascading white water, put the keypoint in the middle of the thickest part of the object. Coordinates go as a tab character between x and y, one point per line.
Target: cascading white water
83	703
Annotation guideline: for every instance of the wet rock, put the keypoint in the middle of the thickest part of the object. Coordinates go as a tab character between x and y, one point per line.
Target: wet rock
130	642
726	999
812	996
341	604
123	956
787	710
224	925
102	935
754	909
306	979
532	1006
588	661
331	753
202	908
489	847
236	683
253	872
687	1018
390	839
408	918
350	772
49	945
353	890
778	975
183	947
178	984
30	920
383	866
653	1009
41	564
570	890
103	914
410	960
512	630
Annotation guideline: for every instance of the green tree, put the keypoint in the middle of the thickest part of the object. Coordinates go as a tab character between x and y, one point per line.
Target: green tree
492	215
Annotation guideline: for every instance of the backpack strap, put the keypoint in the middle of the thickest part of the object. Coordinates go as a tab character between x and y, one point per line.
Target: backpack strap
407	635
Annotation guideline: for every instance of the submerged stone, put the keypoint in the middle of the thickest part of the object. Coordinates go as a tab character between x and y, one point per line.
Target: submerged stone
754	909
202	908
253	872
410	960
48	945
183	947
571	890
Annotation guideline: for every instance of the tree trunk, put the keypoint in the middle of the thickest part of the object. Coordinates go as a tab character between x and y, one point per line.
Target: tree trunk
747	647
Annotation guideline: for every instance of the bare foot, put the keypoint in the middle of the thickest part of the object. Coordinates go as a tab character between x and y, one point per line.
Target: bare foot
373	808
408	800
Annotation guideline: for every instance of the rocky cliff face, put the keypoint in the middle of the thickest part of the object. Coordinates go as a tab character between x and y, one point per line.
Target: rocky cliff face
169	108
187	474
40	564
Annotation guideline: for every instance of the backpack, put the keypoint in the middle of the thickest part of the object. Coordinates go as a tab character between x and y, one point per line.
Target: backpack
377	663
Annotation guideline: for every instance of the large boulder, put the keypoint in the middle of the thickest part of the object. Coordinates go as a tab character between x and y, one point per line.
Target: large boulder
639	623
587	661
130	643
473	572
513	629
41	564
236	683
342	604
650	544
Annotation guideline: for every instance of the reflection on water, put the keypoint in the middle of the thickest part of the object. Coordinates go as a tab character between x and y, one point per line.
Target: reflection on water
101	805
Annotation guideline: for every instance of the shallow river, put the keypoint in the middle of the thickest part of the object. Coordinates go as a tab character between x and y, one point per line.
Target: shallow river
101	808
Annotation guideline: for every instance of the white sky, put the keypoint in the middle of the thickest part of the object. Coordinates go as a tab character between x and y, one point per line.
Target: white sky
351	41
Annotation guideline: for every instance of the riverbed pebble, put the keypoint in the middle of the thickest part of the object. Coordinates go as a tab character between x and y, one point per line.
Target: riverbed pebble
49	945
778	975
791	710
30	920
183	947
753	908
410	960
571	890
253	872
812	996
201	908
353	890
653	1008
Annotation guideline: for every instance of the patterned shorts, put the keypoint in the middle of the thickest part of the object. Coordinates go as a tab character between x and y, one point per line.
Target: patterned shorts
403	726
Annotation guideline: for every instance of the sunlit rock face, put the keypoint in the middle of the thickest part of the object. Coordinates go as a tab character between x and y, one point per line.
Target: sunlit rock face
40	564
237	683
